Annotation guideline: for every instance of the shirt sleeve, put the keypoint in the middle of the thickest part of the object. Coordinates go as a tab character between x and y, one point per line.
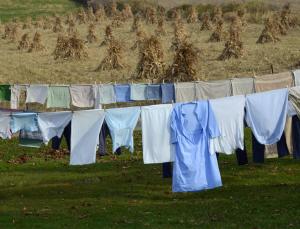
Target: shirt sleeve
173	128
213	128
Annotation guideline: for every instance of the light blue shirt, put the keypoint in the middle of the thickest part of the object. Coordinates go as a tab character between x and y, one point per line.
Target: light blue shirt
24	121
121	123
266	115
192	126
138	92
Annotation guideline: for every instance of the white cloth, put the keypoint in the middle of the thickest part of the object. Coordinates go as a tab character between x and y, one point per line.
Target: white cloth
82	96
229	113
5	131
157	147
242	86
53	124
296	74
213	89
37	94
86	126
15	96
185	92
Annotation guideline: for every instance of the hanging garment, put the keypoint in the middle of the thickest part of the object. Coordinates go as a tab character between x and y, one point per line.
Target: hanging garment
36	94
85	132
53	124
138	92
122	92
288	134
30	139
167	93
5	121
294	97
229	113
213	89
24	121
105	94
266	115
58	97
56	141
121	123
185	92
104	133
167	170
153	92
273	81
195	168
296	136
5	92
241	156
242	86
15	96
296	74
157	147
82	95
258	150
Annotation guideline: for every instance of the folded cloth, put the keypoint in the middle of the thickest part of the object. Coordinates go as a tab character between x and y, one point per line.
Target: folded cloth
122	92
185	92
296	74
82	96
242	86
5	92
24	121
86	126
266	114
167	93
153	92
58	97
273	81
52	124
5	120
213	89
138	92
37	94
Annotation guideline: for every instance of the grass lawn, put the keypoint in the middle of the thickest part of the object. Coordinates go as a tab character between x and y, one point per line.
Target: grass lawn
124	193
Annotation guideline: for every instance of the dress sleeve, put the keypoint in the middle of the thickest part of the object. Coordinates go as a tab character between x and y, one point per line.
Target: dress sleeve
213	128
173	127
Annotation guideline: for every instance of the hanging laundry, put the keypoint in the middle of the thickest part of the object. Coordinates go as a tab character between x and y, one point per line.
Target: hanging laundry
5	121
157	147
121	123
85	132
37	94
105	94
192	127
296	74
229	113
138	92
167	93
273	81
153	92
296	137
242	86
52	124
185	92
122	92
58	97
24	121
213	89
15	96
266	115
56	141
5	92
82	96
294	97
30	139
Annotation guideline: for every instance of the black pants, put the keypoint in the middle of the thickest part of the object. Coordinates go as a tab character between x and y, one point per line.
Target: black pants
56	141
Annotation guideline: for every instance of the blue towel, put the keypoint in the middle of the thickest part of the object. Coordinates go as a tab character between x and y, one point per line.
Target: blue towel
154	92
138	92
24	121
168	93
122	92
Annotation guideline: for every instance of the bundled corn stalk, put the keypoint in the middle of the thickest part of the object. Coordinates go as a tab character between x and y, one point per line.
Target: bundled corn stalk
206	23
70	47
286	17
151	59
24	42
90	14
11	32
112	10
91	37
217	14
69	19
193	15
58	27
71	29
140	38
180	35
279	27
269	33
36	44
39	23
108	36
136	23
81	16
117	22
161	11
218	34
241	14
28	23
175	14
127	12
150	15
184	63
160	31
100	13
114	58
234	46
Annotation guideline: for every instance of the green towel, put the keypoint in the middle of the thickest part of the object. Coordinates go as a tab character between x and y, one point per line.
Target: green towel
58	97
5	93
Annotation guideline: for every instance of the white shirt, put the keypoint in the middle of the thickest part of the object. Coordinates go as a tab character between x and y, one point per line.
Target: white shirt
86	126
229	113
157	147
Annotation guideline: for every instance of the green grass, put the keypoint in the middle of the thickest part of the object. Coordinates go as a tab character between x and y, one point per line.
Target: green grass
124	193
33	8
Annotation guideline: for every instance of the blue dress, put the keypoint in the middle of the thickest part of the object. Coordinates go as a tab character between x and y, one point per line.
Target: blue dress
195	169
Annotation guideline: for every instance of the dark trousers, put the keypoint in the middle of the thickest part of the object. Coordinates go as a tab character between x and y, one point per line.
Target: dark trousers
296	137
56	141
104	133
167	170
